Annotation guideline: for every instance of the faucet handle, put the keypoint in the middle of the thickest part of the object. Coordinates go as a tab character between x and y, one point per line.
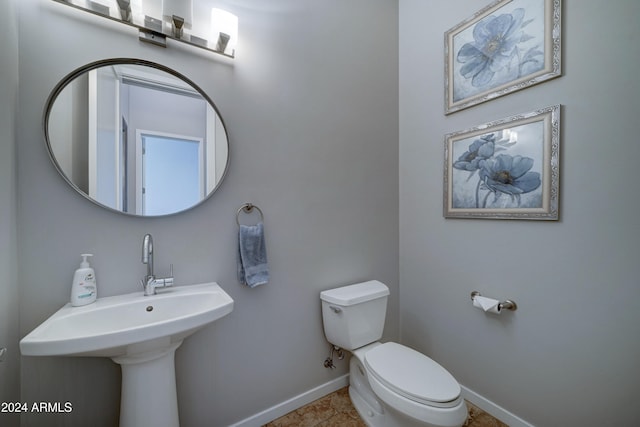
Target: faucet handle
168	281
165	282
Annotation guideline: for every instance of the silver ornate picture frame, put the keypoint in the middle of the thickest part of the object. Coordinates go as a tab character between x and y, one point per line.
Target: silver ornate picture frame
506	169
505	47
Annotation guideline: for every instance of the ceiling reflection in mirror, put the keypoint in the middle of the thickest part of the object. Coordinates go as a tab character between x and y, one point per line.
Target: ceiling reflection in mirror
136	137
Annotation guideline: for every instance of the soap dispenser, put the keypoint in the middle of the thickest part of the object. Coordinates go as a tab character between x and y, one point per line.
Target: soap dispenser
83	288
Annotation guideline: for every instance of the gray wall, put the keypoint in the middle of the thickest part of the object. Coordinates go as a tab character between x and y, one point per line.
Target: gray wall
569	355
313	131
9	368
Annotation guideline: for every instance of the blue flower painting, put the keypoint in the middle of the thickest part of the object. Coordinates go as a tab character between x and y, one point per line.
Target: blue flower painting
505	169
494	48
505	47
498	170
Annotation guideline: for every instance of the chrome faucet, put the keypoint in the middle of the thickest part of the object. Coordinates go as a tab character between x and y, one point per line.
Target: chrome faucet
150	282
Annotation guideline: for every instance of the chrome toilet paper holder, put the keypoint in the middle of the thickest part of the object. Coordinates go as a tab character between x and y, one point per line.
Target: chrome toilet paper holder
503	305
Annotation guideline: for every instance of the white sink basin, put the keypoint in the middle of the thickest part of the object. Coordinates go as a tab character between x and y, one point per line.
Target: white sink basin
127	325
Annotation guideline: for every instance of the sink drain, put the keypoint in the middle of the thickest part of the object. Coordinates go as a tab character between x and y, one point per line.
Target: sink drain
150	308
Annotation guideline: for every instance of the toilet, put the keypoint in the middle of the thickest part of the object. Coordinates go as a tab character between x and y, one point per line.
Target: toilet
390	385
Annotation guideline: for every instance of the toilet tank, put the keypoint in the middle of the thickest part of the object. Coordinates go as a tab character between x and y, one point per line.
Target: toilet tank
353	316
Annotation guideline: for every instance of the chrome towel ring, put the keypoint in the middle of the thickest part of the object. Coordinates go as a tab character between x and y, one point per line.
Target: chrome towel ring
248	208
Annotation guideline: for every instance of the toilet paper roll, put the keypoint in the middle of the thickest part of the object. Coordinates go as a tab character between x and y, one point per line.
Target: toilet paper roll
489	305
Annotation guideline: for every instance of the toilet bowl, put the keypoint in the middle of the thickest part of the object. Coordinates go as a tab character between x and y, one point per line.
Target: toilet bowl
390	385
395	385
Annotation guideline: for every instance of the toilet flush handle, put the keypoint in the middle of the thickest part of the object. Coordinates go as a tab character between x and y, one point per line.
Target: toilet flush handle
335	309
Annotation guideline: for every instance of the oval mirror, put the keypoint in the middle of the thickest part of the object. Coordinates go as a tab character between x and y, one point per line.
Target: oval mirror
136	137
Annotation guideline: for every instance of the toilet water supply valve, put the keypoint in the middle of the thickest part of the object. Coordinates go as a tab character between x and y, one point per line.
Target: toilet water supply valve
328	362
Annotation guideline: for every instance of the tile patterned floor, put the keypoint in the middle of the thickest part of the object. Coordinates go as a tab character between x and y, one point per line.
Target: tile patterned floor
336	410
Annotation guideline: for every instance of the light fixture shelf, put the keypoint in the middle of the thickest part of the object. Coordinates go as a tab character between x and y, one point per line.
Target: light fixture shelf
155	33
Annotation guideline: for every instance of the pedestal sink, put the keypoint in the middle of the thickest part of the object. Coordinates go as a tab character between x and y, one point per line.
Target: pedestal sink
141	333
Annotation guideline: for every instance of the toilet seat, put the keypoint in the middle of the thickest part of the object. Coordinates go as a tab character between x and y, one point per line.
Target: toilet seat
412	375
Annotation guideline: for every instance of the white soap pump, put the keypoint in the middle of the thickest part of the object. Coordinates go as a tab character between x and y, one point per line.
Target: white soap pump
83	288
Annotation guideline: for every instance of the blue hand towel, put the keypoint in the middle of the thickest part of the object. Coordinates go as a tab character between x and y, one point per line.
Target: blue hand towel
253	269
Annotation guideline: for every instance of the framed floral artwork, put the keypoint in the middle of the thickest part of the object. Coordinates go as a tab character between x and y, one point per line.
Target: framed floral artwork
507	46
506	169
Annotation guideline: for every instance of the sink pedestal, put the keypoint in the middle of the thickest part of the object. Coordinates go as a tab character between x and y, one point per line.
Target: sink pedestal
149	397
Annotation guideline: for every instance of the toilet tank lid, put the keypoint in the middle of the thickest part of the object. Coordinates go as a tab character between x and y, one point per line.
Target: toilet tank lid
355	294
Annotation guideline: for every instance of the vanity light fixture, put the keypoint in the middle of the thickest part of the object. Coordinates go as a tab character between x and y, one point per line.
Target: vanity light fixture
224	27
159	20
177	24
179	13
125	10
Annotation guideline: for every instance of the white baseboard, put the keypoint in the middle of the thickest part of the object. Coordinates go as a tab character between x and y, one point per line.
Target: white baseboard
493	409
294	403
322	390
